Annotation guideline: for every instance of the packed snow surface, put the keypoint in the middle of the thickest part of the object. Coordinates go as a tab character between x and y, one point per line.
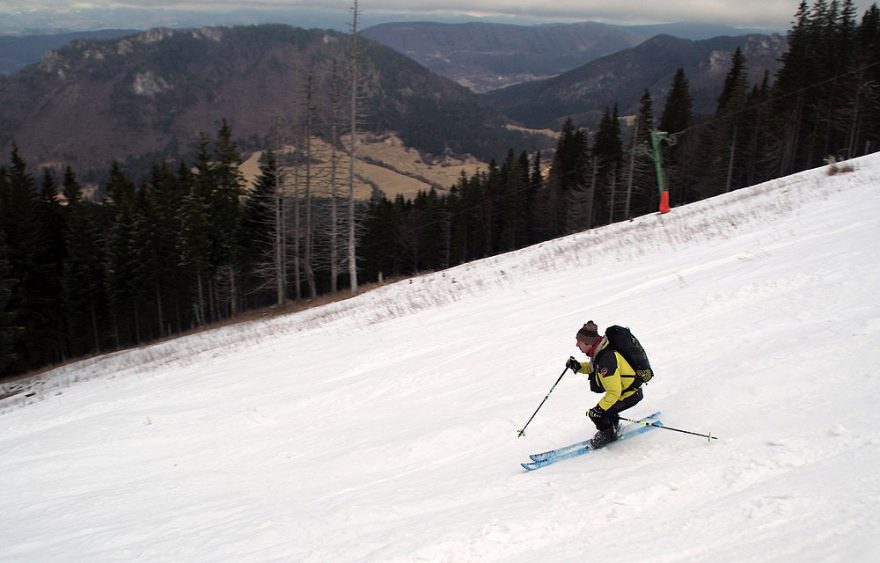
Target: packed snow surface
384	427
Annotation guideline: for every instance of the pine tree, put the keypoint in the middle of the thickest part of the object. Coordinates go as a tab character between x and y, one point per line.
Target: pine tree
119	261
195	242
120	190
262	229
516	176
608	159
641	195
468	215
489	209
224	203
51	225
536	187
165	193
48	187
70	188
677	118
431	232
9	329
678	111
147	265
731	120
34	260
566	204
83	271
380	252
456	206
733	94
861	120
756	168
790	90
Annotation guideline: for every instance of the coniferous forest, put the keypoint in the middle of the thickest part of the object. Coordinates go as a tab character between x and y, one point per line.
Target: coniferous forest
188	245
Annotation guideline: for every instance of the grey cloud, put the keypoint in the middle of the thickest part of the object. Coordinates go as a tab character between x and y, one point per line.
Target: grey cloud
746	13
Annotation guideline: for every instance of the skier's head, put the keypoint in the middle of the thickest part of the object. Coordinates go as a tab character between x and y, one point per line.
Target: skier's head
587	337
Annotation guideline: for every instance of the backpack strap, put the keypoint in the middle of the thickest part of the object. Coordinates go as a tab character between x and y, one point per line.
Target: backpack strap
641	377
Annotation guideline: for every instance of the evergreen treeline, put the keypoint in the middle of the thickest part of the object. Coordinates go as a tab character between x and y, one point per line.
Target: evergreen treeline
181	249
822	103
188	246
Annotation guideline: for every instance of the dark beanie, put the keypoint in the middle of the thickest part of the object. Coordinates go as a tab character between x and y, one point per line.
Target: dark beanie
588	334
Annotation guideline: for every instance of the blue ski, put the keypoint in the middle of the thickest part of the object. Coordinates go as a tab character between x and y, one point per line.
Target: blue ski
583	444
582	448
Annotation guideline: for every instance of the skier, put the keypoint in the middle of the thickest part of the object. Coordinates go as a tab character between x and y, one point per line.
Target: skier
609	373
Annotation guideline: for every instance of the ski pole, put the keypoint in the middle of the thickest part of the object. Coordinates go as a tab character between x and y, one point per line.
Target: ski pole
708	436
521	433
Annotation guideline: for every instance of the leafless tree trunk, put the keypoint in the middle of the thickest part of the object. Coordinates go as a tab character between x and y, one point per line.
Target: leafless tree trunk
95	335
791	137
307	193
353	62
160	317
279	242
334	188
611	203
271	265
866	91
632	168
591	195
202	307
730	162
297	232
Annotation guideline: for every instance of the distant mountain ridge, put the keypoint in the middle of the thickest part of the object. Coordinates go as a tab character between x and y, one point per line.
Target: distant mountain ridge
490	56
21	49
16	52
484	56
621	78
147	96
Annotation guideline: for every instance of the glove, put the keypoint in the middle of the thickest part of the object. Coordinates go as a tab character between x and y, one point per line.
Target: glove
596	413
573	364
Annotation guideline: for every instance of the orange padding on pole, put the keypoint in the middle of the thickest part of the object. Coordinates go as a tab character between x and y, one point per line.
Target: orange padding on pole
664	202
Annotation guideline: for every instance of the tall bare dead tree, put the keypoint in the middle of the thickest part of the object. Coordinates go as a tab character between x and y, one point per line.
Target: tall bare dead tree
352	231
334	186
296	234
279	254
308	238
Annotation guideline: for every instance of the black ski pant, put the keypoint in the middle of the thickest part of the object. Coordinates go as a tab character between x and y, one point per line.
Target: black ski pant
611	417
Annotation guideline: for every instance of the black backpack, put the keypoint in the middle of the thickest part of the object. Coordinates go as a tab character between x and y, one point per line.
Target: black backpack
624	342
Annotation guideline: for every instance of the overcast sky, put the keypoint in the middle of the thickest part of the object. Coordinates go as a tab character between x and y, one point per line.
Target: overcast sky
742	13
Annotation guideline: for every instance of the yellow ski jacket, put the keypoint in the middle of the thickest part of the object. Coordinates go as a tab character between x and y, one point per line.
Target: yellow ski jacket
611	374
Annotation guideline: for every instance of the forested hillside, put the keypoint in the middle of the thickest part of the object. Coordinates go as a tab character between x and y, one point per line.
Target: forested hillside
144	97
622	77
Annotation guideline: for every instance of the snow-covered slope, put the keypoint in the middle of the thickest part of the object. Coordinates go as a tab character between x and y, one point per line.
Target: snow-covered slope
383	428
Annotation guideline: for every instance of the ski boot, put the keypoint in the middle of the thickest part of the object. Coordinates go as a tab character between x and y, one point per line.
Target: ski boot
605	437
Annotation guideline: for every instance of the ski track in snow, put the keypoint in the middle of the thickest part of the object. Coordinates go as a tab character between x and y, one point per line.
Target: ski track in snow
383	428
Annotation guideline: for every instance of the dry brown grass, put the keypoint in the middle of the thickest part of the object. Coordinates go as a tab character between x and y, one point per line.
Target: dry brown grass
835	167
296	306
15	384
388	164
